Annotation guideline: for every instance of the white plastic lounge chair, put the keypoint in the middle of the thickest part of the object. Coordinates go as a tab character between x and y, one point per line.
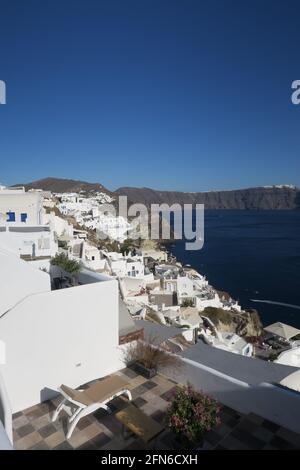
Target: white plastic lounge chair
80	403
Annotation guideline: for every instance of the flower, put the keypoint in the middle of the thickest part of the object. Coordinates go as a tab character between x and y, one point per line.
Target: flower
192	413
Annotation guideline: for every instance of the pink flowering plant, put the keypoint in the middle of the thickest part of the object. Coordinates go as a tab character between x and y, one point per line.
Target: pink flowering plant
191	414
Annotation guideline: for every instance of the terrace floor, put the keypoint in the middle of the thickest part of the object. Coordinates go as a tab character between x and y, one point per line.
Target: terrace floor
33	428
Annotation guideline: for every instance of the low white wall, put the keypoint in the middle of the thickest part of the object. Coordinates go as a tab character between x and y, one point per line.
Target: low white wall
6	431
42	264
64	336
269	401
5	443
30	243
18	279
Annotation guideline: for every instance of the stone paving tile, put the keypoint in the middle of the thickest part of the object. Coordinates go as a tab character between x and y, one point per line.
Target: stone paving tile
28	441
282	444
232	443
130	373
269	447
246	425
89	445
25	430
41	422
271	426
77	439
92	431
220	447
63	446
223	430
168	395
47	430
289	436
161	380
150	384
212	437
100	440
149	395
159	416
115	444
55	439
139	401
263	434
20	421
42	445
84	423
258	420
246	438
138	391
148	408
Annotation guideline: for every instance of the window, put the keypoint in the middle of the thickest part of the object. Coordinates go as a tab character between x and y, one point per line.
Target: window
23	217
93	258
11	216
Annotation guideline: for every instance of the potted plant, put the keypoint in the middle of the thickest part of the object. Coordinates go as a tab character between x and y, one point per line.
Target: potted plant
146	358
191	414
67	265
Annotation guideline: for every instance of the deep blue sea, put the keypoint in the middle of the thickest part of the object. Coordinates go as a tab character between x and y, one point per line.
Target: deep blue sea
252	255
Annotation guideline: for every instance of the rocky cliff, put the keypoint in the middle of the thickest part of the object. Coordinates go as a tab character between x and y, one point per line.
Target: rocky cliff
273	197
247	324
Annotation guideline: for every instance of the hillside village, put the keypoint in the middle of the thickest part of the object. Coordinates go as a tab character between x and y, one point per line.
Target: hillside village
99	296
152	283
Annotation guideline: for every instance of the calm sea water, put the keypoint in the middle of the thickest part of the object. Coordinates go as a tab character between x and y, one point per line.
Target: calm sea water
253	256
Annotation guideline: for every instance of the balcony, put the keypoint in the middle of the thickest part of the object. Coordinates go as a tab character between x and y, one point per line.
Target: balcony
32	428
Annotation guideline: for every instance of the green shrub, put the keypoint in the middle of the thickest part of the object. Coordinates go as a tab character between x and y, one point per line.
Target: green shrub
217	315
70	266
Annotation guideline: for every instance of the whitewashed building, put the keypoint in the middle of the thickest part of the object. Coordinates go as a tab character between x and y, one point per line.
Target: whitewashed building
23	227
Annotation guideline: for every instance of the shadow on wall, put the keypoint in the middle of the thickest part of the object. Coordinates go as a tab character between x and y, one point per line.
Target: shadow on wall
2	412
48	394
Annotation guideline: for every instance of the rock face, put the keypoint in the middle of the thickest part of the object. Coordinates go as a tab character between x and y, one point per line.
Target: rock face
245	324
60	185
273	197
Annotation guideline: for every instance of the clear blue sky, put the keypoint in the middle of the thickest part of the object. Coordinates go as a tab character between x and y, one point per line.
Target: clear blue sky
187	95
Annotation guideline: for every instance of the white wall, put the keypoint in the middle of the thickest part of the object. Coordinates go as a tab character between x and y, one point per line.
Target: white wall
18	280
58	224
185	286
29	242
64	336
29	203
201	304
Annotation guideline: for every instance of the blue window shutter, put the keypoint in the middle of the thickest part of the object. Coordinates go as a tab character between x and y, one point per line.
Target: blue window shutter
11	216
23	217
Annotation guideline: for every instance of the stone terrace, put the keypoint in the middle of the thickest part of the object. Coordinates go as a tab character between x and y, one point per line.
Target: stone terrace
33	428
